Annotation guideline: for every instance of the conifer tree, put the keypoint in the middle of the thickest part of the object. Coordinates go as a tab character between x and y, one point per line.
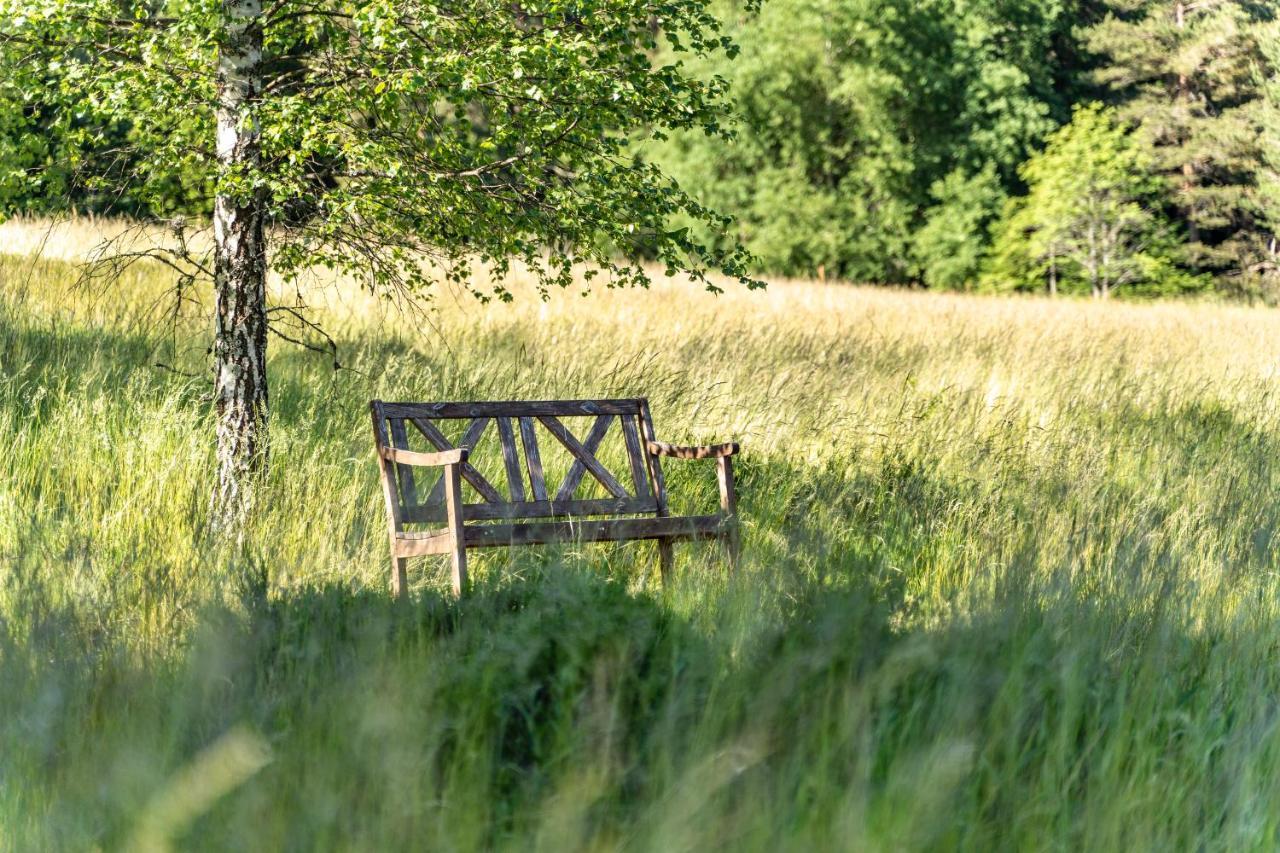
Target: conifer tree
1268	267
1185	72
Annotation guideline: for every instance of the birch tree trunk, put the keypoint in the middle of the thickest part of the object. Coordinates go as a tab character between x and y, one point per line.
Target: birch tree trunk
1091	262
1108	241
240	334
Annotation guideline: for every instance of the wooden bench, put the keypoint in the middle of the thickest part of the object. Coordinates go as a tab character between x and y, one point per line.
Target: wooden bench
531	511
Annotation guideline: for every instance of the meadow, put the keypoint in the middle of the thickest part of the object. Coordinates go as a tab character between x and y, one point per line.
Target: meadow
1009	582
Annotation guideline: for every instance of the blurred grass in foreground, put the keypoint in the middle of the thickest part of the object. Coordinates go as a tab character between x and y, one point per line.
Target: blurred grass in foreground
1010	582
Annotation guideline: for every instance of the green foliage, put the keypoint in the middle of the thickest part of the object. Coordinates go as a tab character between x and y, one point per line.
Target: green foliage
391	131
61	147
1268	268
858	116
879	139
1091	220
874	140
1187	74
24	144
952	243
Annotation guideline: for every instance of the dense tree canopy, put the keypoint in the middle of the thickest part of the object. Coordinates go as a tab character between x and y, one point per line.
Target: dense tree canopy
874	140
857	116
879	139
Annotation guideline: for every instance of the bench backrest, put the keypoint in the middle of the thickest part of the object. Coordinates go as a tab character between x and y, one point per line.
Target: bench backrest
552	458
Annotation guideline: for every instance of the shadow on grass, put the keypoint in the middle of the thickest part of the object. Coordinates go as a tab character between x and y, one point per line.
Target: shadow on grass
561	707
384	719
71	358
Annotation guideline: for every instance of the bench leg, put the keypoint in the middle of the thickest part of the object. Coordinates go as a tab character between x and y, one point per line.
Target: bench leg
453	505
399	576
458	562
732	539
666	560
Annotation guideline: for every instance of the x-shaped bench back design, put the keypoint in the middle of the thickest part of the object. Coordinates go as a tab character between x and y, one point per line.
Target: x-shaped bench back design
522	428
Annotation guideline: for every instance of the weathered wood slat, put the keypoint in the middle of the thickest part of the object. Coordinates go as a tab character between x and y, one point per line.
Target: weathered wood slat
511	460
534	533
579	467
666	553
425	460
579	452
379	423
653	463
514	408
533	459
543	533
635	456
471	435
468	440
387	475
421	545
434	513
390	494
708	451
400	440
431	432
436	496
457	538
729	509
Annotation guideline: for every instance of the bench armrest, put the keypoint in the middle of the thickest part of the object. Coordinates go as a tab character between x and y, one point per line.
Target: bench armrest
709	451
413	457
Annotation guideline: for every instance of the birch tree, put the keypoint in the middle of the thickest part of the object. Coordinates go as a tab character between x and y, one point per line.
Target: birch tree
400	141
1091	219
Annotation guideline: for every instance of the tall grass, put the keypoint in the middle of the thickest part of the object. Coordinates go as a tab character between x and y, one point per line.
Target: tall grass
1010	582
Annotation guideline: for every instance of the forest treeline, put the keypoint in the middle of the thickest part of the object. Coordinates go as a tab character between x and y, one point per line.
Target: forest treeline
1049	145
1072	146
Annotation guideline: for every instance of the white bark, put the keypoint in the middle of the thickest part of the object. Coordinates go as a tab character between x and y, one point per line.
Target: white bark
240	334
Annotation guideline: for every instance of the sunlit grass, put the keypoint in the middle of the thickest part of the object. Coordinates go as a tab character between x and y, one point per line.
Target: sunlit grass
1010	581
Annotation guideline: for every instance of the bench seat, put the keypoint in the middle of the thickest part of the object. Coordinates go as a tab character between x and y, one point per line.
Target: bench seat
676	528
